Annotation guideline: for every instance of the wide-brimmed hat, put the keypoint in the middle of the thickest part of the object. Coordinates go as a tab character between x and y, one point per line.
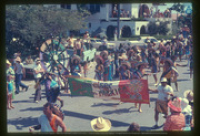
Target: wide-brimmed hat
189	95
75	57
186	108
100	124
99	57
126	63
104	53
175	104
163	80
8	62
18	59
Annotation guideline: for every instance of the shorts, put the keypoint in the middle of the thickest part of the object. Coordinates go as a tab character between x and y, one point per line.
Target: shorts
161	107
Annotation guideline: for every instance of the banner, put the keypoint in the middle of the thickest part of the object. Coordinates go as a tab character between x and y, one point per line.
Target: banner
133	91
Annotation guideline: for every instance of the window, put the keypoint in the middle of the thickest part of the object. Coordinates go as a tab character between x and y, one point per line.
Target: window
94	8
66	6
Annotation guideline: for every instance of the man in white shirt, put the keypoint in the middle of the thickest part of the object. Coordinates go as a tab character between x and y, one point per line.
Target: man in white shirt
164	92
19	72
38	70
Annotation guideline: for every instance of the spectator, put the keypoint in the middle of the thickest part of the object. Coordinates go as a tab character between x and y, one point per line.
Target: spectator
10	71
189	95
29	60
164	92
133	127
19	72
10	89
100	124
38	70
48	121
175	121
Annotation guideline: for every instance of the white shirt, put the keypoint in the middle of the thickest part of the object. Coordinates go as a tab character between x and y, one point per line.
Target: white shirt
19	68
37	68
162	90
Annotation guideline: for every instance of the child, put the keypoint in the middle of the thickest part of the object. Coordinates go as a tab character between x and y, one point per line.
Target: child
9	92
99	68
76	66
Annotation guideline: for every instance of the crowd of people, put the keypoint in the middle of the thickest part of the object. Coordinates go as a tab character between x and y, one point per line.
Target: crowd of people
118	64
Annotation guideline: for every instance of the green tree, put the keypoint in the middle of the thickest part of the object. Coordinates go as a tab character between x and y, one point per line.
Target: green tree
32	24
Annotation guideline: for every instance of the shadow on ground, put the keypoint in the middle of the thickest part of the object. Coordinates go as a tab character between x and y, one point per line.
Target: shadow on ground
180	80
105	104
33	109
119	111
23	101
90	117
20	123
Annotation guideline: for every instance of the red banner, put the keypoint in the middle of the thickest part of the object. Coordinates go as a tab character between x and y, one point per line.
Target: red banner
134	91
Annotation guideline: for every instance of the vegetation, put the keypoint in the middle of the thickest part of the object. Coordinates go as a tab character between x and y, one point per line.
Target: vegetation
27	26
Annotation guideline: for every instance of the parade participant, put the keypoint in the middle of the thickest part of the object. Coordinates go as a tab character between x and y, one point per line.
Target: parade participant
10	89
124	73
77	46
76	66
149	48
49	122
168	49
111	58
123	56
187	49
100	124
116	62
132	56
133	67
29	60
187	111
175	121
133	127
164	93
37	70
10	71
143	55
154	68
167	70
138	74
19	72
106	65
180	49
99	68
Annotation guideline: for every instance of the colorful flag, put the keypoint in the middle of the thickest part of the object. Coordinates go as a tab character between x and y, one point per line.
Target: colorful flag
133	91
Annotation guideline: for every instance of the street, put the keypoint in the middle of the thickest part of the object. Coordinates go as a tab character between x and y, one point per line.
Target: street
79	111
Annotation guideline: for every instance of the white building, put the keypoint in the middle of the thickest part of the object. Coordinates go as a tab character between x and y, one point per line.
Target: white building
105	17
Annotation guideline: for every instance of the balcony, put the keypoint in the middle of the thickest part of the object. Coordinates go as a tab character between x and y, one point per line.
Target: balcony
124	15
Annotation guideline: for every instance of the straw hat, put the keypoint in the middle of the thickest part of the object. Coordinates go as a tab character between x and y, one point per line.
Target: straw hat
126	63
189	95
186	108
75	57
175	105
100	124
8	62
18	59
163	80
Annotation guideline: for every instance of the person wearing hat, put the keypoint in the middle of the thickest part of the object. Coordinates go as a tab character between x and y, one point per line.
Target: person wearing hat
175	121
37	70
124	73
101	124
138	74
187	111
76	66
99	68
19	73
164	92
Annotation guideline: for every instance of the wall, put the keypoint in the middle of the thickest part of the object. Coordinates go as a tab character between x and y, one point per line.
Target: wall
139	24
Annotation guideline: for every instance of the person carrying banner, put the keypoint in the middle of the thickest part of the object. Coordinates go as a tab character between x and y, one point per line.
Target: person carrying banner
50	120
138	74
164	93
99	69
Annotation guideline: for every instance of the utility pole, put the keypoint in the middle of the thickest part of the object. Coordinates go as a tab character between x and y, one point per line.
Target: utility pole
118	20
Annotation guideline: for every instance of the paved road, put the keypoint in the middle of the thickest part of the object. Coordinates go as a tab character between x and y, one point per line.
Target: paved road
79	111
